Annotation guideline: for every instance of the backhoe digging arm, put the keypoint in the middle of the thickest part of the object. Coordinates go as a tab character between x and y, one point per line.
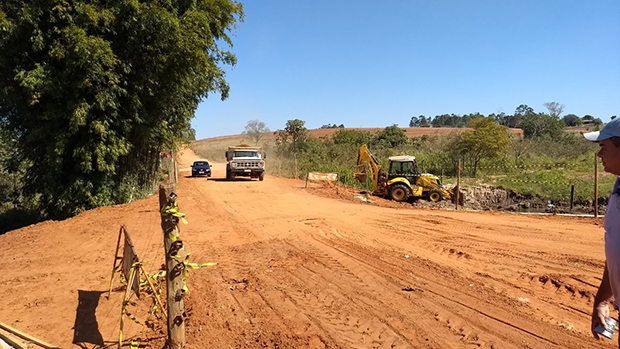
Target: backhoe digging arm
365	157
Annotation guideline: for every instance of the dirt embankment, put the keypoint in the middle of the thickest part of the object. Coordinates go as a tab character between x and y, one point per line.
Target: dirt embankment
308	268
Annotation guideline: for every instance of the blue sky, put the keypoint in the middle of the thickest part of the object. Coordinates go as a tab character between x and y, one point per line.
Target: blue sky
378	63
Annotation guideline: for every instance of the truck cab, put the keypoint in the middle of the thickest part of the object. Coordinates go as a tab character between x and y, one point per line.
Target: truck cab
245	161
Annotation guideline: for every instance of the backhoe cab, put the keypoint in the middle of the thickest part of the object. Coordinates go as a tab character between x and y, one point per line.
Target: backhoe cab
402	181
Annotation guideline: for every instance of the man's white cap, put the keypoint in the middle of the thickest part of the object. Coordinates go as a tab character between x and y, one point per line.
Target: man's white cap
612	129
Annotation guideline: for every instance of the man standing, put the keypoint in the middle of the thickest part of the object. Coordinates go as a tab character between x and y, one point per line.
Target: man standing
609	141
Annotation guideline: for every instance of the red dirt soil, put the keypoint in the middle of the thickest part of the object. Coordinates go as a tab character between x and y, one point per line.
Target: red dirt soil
296	269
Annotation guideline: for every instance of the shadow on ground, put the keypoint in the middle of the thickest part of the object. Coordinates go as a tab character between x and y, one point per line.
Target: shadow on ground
86	328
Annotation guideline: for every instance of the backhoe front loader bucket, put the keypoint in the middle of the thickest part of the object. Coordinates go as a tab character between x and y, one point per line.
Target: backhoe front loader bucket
461	195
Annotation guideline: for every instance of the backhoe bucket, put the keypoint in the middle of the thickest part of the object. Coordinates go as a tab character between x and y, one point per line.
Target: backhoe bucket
361	176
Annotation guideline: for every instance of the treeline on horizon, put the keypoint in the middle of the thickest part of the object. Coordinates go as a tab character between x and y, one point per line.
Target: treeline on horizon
515	120
522	114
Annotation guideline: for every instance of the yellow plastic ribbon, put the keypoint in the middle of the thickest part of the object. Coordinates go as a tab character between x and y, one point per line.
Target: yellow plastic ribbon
173	210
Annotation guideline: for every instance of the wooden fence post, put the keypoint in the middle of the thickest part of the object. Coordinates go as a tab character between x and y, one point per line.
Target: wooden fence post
174	269
176	172
572	196
458	184
595	186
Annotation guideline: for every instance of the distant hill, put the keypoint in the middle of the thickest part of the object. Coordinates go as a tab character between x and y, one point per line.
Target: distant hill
410	131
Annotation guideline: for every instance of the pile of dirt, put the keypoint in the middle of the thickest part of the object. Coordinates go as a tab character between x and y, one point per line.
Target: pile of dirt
485	198
501	199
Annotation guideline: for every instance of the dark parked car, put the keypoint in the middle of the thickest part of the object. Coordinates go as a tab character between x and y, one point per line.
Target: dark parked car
201	168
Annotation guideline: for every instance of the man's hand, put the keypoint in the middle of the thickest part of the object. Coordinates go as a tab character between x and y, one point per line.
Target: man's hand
599	314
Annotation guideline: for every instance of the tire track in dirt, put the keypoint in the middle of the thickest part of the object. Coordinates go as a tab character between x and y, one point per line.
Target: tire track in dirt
255	295
425	314
531	332
477	258
374	298
364	323
463	256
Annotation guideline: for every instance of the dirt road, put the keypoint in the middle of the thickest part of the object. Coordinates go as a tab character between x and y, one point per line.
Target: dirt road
297	268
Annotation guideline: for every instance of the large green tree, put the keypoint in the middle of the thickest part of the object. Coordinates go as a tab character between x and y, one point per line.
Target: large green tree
352	137
486	140
392	136
293	137
95	89
538	125
571	120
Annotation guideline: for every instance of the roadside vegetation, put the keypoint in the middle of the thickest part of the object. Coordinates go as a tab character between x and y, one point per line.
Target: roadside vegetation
92	92
546	168
545	162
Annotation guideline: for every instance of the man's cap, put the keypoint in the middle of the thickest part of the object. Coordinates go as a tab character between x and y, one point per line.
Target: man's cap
612	129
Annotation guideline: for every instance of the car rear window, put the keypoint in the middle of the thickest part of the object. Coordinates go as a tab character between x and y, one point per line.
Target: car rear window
201	163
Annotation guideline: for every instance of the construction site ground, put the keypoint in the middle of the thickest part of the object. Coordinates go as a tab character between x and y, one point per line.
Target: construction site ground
317	267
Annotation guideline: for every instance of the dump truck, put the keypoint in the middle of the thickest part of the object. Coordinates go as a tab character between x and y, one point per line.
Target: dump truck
402	180
245	161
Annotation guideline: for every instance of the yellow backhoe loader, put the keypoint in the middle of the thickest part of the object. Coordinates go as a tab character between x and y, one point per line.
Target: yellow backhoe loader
402	181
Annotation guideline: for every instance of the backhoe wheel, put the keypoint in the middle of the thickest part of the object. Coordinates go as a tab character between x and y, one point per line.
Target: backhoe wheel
435	196
399	192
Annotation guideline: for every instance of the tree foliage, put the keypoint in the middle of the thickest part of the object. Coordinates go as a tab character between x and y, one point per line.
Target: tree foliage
293	137
95	89
486	140
256	130
591	120
420	121
332	126
524	110
520	146
555	109
571	120
393	136
538	125
453	120
352	137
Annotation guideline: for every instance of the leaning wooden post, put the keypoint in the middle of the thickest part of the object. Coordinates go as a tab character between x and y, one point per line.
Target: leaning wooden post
458	184
572	196
174	268
595	186
116	258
